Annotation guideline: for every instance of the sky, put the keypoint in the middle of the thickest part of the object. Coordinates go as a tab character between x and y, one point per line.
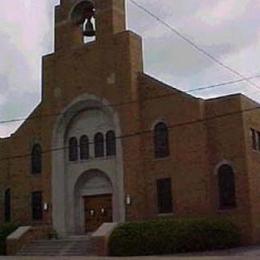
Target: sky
227	29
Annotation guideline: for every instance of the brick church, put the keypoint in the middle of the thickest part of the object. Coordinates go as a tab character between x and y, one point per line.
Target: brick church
109	143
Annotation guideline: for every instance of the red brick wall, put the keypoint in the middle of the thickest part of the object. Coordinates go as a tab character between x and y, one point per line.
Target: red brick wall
196	145
251	120
226	141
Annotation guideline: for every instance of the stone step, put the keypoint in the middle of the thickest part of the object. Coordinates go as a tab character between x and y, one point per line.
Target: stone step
81	246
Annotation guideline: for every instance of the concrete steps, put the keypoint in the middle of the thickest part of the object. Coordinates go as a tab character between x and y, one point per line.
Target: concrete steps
75	246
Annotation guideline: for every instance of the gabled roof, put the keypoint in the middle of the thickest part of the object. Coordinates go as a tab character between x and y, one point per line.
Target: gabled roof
165	87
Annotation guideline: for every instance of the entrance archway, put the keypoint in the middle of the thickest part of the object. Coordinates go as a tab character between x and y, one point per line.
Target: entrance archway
93	201
65	174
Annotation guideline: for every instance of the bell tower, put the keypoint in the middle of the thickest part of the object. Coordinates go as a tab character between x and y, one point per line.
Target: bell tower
76	19
80	77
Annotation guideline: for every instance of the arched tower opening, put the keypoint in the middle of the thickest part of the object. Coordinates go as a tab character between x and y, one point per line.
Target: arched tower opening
81	21
83	16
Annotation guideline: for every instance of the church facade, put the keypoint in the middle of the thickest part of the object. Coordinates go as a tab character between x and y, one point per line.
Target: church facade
108	143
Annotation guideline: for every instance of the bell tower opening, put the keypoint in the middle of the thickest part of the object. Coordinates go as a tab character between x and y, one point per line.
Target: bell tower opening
83	16
81	21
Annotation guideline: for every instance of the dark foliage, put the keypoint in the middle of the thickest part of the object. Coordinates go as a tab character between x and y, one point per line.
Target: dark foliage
5	231
169	236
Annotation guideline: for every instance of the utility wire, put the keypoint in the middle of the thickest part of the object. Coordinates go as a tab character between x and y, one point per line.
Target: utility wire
194	45
138	133
189	41
223	84
136	101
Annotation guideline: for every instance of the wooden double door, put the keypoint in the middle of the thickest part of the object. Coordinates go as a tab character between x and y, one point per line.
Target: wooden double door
98	210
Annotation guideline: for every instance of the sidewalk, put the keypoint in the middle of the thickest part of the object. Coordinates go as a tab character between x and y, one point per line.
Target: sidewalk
129	258
252	252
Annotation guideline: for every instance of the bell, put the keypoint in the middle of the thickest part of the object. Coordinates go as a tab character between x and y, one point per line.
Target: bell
89	29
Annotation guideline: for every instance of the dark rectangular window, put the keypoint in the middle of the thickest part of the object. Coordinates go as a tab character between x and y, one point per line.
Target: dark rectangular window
258	141
7	205
164	195
254	137
37	210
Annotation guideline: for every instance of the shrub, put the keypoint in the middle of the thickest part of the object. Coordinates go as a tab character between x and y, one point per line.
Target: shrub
5	231
169	236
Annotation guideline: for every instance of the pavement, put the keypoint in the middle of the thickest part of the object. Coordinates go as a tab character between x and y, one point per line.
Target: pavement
133	258
243	253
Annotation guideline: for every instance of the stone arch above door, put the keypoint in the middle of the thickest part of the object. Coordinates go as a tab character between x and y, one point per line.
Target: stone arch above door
93	182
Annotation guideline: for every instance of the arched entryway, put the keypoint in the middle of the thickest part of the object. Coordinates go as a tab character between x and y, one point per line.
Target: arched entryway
93	197
86	115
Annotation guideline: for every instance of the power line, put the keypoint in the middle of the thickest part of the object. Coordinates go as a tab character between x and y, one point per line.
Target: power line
189	41
193	44
243	78
138	133
136	101
223	84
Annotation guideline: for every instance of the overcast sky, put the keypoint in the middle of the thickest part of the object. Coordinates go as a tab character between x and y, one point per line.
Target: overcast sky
227	29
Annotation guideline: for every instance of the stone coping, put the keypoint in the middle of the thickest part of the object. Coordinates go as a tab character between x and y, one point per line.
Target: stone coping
19	232
105	230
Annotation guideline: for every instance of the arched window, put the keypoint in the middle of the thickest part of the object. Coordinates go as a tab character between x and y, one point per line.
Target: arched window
73	149
99	145
36	159
226	186
161	141
7	205
84	148
111	143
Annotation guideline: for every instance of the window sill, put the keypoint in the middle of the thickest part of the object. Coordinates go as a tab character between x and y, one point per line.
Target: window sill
36	174
223	210
170	214
80	161
104	158
110	157
72	162
162	158
37	222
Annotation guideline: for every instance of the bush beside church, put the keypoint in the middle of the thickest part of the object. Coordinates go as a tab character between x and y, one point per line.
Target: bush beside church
170	236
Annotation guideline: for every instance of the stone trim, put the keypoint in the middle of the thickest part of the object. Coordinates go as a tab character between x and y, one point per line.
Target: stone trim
24	235
101	238
62	215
